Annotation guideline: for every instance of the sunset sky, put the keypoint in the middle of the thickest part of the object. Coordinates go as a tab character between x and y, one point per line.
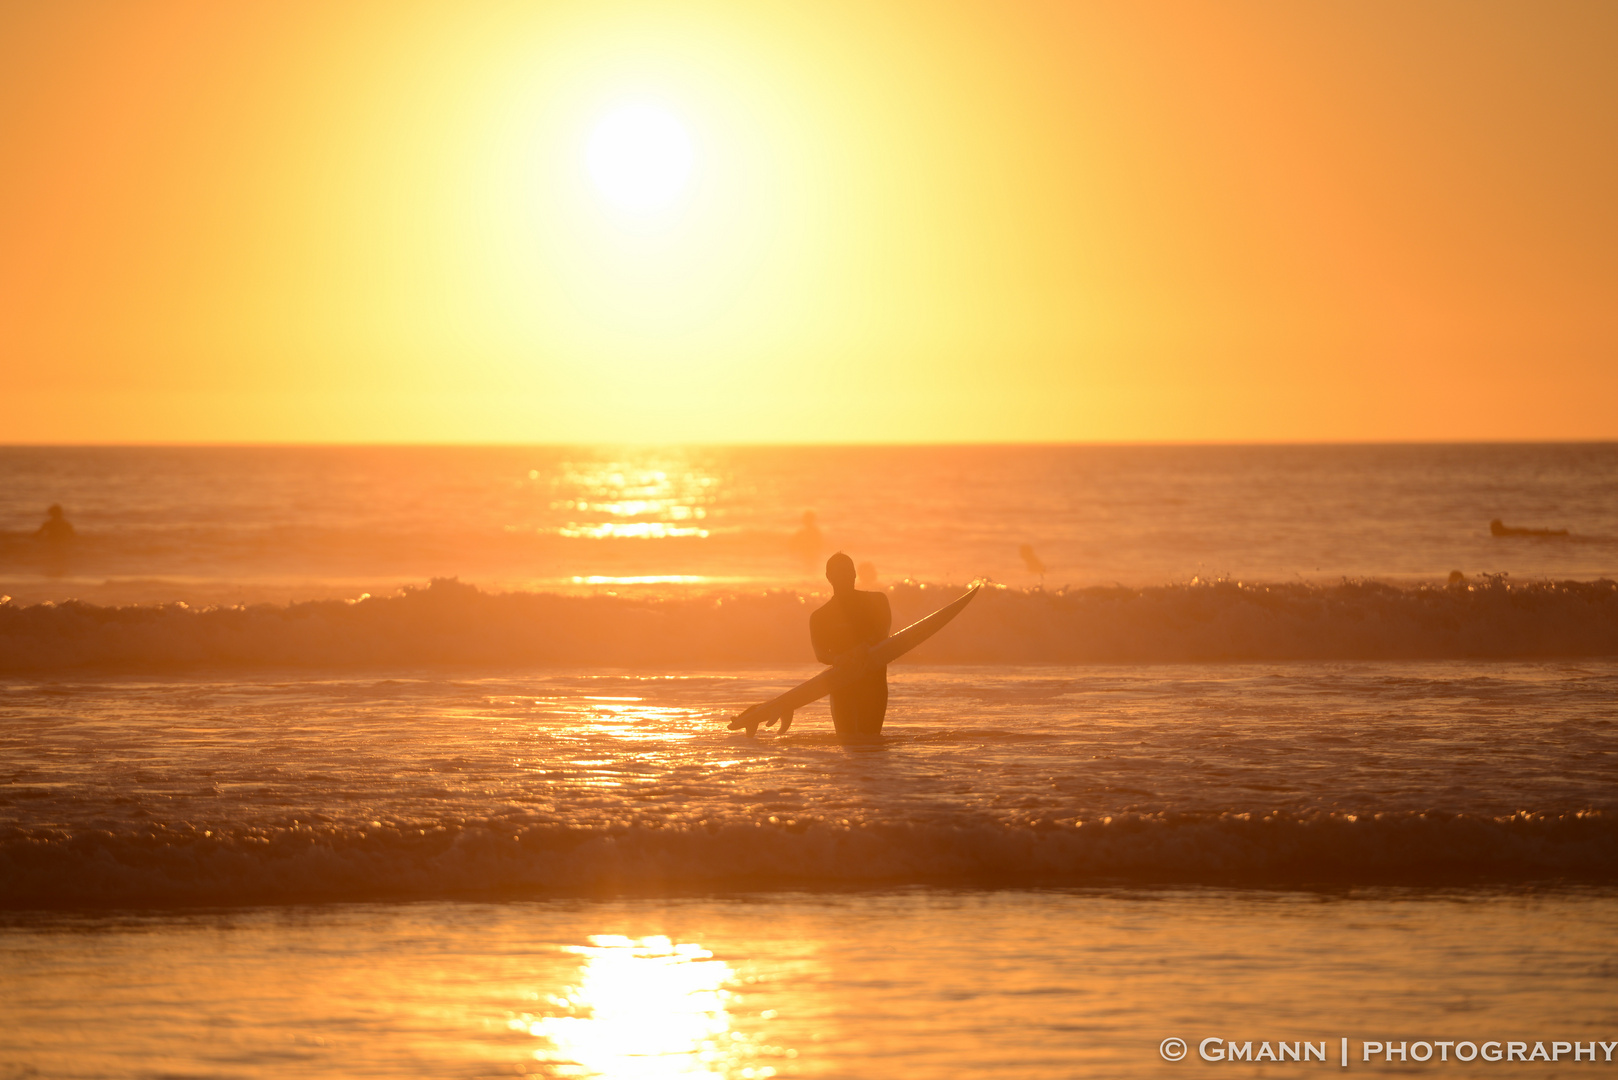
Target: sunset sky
769	222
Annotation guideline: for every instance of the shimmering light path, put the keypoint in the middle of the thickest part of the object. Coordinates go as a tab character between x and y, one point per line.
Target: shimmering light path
252	791
234	524
927	985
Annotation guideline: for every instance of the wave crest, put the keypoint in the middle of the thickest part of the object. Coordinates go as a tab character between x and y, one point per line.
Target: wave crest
451	623
164	866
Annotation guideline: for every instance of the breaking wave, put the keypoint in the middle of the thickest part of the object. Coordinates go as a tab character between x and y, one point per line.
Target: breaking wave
41	868
451	623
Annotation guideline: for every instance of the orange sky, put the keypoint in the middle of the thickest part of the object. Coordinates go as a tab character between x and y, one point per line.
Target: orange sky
288	221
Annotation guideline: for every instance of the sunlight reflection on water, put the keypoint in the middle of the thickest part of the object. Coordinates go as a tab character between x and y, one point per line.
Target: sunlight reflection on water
643	1007
653	498
918	984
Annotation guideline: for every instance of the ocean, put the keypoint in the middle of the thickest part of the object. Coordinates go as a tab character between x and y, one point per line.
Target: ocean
412	762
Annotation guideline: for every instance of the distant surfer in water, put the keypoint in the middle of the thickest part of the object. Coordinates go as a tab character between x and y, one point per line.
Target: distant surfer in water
841	630
807	543
56	535
1500	528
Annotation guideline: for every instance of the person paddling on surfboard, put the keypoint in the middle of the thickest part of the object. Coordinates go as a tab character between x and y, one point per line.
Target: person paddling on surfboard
841	631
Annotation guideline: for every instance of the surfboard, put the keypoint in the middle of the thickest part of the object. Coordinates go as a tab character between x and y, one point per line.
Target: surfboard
885	651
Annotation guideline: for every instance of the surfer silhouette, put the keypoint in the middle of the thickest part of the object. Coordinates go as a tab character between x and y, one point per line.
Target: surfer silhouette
807	542
57	530
841	630
1500	528
55	535
1032	561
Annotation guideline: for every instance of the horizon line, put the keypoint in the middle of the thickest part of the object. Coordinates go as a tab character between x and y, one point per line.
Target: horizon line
829	444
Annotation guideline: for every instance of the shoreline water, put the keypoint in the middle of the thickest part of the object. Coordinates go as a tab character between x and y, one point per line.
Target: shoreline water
930	984
290	786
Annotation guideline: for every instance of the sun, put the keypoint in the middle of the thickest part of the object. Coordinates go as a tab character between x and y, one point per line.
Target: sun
640	158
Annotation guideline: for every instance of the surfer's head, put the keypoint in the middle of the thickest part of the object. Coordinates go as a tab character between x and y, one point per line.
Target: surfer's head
840	572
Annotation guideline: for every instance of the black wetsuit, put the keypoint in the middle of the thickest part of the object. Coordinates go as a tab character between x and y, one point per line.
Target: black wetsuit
846	622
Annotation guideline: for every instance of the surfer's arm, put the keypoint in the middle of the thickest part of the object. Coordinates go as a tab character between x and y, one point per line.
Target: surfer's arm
821	637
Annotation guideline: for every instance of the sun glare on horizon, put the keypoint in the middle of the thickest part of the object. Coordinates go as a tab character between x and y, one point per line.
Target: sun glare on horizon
640	158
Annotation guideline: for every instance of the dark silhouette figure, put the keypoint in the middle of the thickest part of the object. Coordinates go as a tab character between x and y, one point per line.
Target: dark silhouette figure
841	630
57	529
1500	528
807	543
55	534
1030	560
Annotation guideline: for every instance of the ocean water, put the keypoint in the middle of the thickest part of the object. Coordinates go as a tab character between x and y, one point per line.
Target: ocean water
1243	763
927	984
255	790
209	525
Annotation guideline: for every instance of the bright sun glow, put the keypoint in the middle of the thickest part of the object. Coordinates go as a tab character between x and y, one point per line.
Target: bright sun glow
647	1008
640	158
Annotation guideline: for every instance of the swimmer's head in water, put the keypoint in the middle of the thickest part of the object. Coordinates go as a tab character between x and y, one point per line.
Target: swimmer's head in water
55	512
840	572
